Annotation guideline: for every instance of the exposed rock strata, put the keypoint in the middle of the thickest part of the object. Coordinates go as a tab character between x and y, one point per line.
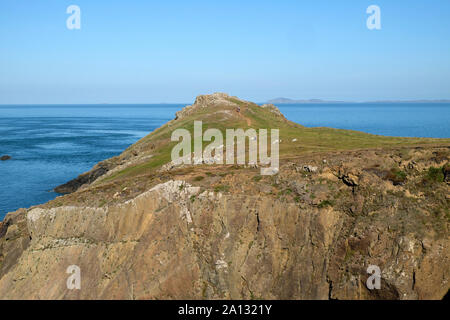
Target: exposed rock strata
176	241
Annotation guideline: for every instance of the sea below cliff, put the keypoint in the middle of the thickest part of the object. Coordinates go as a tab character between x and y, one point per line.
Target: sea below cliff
52	144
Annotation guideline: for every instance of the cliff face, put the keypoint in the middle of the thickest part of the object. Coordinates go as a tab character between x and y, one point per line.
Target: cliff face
211	231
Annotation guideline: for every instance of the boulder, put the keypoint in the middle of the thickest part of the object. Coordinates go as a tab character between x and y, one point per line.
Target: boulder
351	180
310	168
446	171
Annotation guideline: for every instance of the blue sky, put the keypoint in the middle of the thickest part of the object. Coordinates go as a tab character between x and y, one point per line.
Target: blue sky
170	51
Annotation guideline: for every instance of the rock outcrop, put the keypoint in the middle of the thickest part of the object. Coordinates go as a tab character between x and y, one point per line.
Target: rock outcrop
83	179
272	109
210	101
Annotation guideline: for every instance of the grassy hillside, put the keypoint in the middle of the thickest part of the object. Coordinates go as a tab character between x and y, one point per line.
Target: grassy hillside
223	115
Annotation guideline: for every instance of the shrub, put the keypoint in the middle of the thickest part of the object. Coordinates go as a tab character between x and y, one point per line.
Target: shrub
434	175
396	176
325	203
257	178
220	188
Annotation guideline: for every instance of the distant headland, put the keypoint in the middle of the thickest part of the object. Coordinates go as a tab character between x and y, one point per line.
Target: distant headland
319	101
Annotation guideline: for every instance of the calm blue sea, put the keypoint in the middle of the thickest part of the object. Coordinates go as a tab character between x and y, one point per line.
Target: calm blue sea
53	144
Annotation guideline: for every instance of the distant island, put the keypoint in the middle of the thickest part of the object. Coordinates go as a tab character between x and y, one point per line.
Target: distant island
319	101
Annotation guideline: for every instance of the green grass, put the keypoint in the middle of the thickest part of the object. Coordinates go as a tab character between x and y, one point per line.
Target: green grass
257	178
325	203
308	139
221	188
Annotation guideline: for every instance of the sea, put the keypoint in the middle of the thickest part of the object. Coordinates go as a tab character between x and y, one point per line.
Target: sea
52	144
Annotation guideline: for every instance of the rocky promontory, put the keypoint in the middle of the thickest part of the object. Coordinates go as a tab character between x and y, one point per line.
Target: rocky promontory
342	201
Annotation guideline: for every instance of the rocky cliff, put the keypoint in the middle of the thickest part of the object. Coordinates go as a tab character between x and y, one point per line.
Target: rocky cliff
342	200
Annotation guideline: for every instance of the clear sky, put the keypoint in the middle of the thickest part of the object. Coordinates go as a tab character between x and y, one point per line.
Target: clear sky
170	51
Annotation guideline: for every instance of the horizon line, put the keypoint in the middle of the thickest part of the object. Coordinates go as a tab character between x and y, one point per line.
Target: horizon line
289	101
